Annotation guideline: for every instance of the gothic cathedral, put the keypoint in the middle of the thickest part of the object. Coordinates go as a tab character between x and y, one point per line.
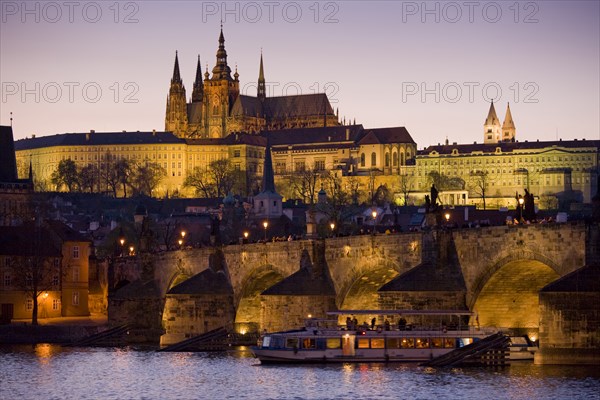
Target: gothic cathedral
217	108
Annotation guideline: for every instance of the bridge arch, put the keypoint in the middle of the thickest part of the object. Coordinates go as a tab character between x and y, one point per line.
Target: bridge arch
359	290
248	304
507	294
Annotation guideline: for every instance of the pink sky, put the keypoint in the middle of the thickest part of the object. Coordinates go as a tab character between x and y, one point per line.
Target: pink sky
72	67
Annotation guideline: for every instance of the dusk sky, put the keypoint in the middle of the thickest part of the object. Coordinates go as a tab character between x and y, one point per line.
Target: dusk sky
431	67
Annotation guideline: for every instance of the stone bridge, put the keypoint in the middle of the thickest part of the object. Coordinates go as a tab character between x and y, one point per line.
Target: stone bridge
496	272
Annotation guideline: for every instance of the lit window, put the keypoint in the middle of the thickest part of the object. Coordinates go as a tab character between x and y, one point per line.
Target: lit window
75	298
7	280
29	305
55	304
75	252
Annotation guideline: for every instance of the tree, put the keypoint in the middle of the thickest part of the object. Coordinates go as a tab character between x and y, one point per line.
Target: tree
66	174
479	183
37	268
88	178
145	177
444	182
303	184
218	180
406	186
123	170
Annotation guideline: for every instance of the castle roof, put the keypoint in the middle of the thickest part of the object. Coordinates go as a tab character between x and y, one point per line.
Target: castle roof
97	139
387	135
281	107
507	147
317	136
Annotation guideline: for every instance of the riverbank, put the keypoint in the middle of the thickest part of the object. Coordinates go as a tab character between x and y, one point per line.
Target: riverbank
62	330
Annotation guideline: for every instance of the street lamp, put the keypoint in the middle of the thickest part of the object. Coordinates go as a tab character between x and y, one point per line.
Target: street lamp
246	236
332	226
131	251
266	225
447	216
520	209
374	215
183	234
122	241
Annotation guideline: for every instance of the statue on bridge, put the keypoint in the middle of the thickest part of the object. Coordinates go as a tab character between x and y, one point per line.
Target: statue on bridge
529	207
431	201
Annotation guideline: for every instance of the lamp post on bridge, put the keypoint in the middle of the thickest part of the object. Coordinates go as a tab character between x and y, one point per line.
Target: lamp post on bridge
266	225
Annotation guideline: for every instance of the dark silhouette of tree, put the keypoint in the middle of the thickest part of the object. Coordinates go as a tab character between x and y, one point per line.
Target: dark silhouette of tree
66	174
303	184
144	177
479	183
217	180
406	183
89	178
37	268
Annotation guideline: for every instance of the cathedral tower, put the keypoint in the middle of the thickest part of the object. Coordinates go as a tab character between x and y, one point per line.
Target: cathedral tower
491	127
176	119
509	131
220	92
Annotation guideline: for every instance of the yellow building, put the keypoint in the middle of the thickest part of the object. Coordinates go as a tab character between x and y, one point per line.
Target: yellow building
553	171
51	261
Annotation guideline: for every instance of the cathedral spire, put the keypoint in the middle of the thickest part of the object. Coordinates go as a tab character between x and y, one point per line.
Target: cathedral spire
261	90
492	118
198	90
221	69
176	76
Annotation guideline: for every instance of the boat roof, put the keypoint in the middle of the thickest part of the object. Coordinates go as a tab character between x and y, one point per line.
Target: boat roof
401	312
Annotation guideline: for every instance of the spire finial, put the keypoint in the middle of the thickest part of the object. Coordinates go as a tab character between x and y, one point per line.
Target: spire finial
11	119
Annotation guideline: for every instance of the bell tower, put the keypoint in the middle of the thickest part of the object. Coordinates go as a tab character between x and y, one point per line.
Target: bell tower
492	131
509	131
220	92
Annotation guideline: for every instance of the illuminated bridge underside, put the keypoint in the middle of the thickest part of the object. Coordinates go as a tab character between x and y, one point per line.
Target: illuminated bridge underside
248	310
362	295
510	299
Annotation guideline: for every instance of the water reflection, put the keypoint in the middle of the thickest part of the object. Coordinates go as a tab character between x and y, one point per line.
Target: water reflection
80	373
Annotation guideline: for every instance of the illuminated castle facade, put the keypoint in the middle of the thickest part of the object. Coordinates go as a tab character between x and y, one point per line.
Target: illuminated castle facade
217	108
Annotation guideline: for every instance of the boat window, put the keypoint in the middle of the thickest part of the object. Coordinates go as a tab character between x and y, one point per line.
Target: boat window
309	344
266	341
333	343
422	343
363	343
407	343
377	343
449	343
321	344
292	343
437	343
393	343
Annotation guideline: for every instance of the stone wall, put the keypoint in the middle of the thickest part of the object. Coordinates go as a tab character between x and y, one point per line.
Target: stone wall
569	328
186	316
279	313
423	300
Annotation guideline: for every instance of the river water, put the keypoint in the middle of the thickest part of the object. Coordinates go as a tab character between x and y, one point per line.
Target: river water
51	372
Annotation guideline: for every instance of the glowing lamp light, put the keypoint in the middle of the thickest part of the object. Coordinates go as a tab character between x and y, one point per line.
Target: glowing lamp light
309	315
521	201
131	249
447	216
180	242
45	295
183	234
374	214
246	235
265	224
122	241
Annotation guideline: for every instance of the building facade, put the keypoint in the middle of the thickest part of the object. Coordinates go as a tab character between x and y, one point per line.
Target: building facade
50	261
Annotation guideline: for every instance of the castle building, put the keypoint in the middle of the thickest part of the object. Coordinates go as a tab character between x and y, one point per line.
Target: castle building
217	108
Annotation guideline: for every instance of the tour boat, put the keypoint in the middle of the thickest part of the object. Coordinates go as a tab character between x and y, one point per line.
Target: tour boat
324	340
